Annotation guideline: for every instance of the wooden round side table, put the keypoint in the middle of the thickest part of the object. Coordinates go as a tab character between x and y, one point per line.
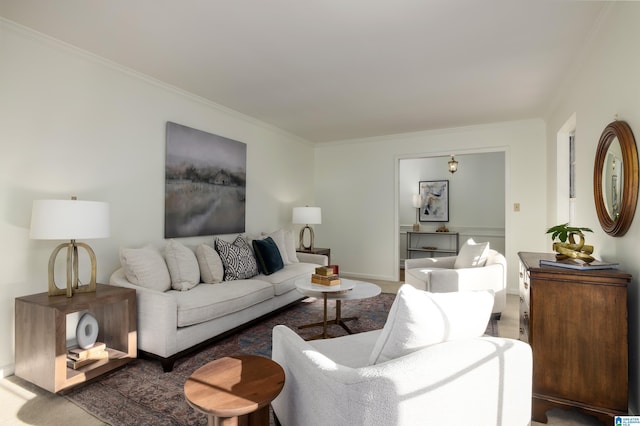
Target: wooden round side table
235	390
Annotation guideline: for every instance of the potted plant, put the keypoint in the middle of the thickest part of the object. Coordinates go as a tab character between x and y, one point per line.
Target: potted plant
568	247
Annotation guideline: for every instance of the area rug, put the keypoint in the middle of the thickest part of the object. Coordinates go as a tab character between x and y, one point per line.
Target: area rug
141	394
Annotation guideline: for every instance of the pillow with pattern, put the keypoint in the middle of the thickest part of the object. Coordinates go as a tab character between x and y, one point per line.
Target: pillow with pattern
237	258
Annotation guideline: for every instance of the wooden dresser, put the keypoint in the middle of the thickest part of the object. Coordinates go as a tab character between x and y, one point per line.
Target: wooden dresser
576	324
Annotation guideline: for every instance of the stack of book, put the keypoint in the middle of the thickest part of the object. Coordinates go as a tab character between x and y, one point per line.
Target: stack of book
325	276
77	357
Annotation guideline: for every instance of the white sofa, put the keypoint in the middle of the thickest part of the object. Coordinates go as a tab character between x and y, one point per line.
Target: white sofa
462	379
438	275
173	323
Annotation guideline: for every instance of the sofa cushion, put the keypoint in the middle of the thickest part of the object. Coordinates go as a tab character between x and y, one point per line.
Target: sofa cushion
145	267
267	256
284	280
183	266
237	258
472	255
290	246
211	268
207	302
278	239
418	319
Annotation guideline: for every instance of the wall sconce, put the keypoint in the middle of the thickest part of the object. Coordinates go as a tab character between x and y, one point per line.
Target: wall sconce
453	165
70	220
307	216
417	203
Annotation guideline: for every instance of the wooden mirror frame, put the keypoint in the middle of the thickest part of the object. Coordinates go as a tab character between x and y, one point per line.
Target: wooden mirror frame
629	198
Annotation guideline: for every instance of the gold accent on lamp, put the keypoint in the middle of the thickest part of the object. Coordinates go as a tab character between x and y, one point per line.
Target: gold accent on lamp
70	220
453	165
307	216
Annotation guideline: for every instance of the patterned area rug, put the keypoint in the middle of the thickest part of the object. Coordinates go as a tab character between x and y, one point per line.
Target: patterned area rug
141	394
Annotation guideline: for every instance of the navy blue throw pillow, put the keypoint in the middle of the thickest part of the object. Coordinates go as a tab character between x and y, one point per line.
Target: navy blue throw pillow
268	256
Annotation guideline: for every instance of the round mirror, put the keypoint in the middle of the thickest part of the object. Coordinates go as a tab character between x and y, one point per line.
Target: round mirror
615	178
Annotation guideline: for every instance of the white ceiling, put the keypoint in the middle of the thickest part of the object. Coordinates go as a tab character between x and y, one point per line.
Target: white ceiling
337	69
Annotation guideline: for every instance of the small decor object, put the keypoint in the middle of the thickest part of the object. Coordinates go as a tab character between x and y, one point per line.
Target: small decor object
568	247
70	220
434	196
325	275
307	216
77	357
87	331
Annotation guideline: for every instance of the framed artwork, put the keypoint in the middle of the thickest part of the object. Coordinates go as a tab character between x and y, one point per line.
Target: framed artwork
434	200
205	183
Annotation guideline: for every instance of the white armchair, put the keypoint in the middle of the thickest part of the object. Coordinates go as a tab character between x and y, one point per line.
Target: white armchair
438	275
431	364
481	381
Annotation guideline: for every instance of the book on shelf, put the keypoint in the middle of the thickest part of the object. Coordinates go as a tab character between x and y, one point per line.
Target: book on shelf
79	354
578	264
93	357
325	280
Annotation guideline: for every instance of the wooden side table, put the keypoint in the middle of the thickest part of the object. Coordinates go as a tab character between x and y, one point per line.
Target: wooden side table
317	250
41	352
235	390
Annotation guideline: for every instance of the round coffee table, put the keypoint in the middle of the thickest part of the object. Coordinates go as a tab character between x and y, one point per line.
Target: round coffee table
347	290
235	390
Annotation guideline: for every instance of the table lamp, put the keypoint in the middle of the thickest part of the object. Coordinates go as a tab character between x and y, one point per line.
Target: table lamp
70	220
307	216
417	203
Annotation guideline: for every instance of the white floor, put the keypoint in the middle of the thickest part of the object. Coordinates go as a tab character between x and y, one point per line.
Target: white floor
22	403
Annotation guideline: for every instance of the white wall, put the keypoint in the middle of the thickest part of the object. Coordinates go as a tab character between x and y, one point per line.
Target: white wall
357	186
73	124
476	196
478	183
607	83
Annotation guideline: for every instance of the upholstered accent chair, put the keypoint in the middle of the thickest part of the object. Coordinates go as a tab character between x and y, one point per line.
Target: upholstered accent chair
431	364
476	267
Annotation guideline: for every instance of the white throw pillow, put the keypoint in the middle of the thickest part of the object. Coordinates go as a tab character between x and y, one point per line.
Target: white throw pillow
183	266
290	246
418	319
278	238
472	255
211	268
145	267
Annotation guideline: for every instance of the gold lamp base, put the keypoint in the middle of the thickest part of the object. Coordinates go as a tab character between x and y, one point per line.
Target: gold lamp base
302	246
72	270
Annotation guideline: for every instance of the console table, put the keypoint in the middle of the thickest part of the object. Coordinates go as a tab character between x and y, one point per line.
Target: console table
431	244
576	324
41	351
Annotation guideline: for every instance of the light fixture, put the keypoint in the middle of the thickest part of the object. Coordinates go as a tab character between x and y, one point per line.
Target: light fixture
453	165
417	203
70	220
307	216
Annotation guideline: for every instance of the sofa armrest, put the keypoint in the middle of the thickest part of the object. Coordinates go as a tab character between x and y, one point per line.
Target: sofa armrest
430	262
485	379
157	317
319	259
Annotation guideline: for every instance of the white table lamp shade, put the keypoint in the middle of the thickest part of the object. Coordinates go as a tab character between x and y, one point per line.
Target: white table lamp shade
69	220
307	215
416	201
